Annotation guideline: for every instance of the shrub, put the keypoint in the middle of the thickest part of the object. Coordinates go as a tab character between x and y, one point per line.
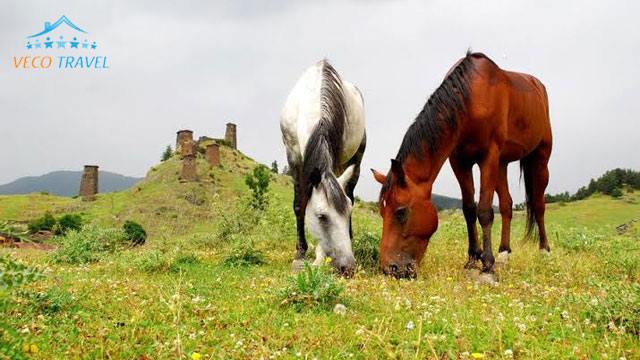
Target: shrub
238	221
51	301
151	262
88	245
314	286
366	250
68	222
244	253
575	239
13	274
258	182
44	223
183	260
134	232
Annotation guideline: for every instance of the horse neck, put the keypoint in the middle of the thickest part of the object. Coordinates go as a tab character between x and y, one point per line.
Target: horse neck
424	169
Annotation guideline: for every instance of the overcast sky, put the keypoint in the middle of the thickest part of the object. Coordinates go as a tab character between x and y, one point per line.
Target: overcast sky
200	64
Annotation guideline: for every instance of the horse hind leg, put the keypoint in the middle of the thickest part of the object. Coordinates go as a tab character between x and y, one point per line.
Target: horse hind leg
506	209
536	176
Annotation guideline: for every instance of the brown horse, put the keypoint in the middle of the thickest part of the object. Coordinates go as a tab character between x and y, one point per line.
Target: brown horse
483	115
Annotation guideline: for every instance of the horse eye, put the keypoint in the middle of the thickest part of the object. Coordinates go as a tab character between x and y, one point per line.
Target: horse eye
323	217
401	214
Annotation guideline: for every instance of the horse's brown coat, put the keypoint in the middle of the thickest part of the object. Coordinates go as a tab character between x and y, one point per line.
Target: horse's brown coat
505	119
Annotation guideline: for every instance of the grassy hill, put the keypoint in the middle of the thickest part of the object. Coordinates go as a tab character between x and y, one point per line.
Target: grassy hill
65	183
178	295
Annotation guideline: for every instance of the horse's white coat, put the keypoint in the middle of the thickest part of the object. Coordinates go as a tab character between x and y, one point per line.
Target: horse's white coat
301	113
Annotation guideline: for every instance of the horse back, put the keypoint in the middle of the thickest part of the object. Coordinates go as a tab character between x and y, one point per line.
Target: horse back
508	108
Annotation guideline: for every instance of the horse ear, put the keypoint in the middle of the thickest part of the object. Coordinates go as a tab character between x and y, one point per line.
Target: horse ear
346	176
315	177
380	177
397	170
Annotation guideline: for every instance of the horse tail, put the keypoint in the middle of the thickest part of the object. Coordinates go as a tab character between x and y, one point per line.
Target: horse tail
526	173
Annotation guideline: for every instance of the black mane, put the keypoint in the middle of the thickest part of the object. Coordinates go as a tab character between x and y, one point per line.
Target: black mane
441	111
324	146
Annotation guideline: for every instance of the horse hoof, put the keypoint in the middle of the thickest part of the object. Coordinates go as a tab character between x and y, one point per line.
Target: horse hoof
545	252
487	278
502	258
297	265
473	273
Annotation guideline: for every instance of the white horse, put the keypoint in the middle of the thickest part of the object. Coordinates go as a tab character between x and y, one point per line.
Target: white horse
323	131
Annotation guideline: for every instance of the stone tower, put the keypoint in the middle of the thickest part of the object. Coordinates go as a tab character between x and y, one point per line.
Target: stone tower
189	169
213	154
230	135
182	137
89	183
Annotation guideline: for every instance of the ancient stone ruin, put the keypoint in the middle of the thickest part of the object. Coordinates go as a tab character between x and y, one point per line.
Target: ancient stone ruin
230	135
188	151
182	137
89	183
212	154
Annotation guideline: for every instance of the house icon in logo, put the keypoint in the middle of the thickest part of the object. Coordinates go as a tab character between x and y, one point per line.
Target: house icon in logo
53	36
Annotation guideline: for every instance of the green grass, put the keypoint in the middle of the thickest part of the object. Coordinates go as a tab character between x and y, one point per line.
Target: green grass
177	295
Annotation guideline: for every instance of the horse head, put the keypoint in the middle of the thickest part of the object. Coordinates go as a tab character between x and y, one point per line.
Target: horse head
409	218
328	215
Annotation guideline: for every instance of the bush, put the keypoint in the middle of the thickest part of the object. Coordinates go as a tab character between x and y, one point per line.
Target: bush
151	262
51	301
575	239
182	261
237	222
45	223
244	253
366	250
258	182
68	222
13	274
134	232
88	245
314	286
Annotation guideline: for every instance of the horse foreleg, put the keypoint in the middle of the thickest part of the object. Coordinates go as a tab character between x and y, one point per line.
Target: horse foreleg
488	181
506	208
464	174
299	210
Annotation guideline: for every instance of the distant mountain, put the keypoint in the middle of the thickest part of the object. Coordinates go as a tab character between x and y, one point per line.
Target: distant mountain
444	202
66	183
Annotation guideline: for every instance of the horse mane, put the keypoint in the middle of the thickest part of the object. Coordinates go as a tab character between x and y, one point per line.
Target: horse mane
325	142
441	112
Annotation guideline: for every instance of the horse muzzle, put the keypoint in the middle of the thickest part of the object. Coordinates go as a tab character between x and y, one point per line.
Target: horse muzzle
401	270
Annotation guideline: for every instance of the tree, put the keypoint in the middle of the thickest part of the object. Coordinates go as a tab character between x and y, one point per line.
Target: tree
285	170
167	154
258	182
274	167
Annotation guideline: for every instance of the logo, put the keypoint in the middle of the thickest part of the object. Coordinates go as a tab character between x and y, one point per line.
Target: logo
61	45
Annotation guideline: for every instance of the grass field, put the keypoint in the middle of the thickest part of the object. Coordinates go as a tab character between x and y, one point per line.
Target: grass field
178	296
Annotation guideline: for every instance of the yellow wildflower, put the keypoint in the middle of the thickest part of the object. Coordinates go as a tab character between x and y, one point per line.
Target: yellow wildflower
196	356
477	355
